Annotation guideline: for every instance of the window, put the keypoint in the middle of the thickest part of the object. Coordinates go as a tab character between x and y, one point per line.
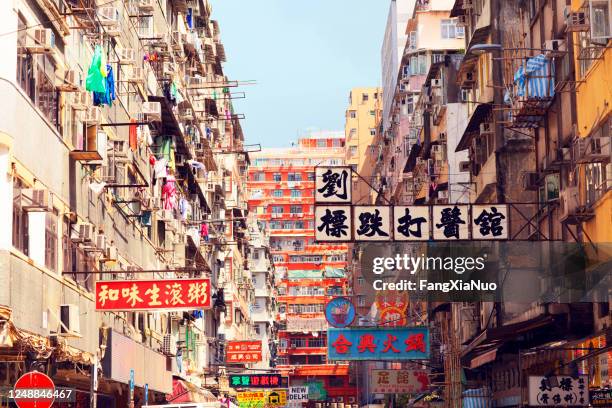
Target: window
361	300
360	281
311	176
294	177
277	209
414	65
295	209
299	224
413	40
372	113
276	177
449	26
321	143
257	330
352	114
259	176
36	76
352	152
296	193
255	256
600	21
51	240
352	133
372	131
277	193
423	64
20	217
275	225
365	97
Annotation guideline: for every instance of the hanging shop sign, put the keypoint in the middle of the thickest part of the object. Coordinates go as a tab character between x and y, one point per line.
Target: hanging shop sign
302	324
398	381
333	184
452	222
153	294
243	351
340	312
601	397
297	396
316	390
401	343
392	308
558	391
272	398
255	380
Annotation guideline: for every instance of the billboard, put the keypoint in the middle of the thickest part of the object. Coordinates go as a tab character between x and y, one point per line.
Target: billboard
398	381
129	295
378	343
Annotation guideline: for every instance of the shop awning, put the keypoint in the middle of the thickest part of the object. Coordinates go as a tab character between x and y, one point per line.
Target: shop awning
184	391
478	116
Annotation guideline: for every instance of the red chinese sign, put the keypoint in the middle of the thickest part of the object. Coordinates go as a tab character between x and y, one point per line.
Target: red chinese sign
392	308
153	294
243	352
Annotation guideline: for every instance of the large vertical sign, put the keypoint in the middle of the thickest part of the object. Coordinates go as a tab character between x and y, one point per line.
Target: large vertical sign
405	343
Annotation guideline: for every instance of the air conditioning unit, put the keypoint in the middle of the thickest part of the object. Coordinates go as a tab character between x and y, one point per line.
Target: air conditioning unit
86	232
69	316
531	181
577	21
111	253
168	346
136	75
570	201
108	16
146	5
465	166
67	79
555	48
101	241
126	56
92	115
42	199
81	100
152	111
461	21
486	128
41	38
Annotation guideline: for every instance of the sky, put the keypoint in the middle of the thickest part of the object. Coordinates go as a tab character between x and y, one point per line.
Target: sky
305	57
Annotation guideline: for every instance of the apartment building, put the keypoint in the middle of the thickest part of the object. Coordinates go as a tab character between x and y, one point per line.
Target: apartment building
111	151
307	274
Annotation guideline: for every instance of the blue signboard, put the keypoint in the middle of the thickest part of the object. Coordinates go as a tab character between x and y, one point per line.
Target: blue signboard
340	312
378	343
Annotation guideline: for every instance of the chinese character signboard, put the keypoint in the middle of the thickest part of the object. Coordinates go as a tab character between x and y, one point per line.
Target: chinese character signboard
411	223
489	221
340	312
450	222
273	398
398	381
153	294
392	308
333	184
405	343
302	324
601	397
255	380
372	223
243	351
558	391
333	223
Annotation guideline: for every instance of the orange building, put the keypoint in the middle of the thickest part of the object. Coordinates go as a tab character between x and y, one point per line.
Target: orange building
281	194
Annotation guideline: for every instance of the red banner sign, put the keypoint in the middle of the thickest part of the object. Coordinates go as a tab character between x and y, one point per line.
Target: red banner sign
243	351
153	294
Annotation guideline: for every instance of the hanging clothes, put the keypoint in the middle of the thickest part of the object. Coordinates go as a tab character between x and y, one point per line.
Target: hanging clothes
145	218
95	81
204	232
160	168
108	96
133	135
169	194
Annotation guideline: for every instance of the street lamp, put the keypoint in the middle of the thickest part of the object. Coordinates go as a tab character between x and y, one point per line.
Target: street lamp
479	49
